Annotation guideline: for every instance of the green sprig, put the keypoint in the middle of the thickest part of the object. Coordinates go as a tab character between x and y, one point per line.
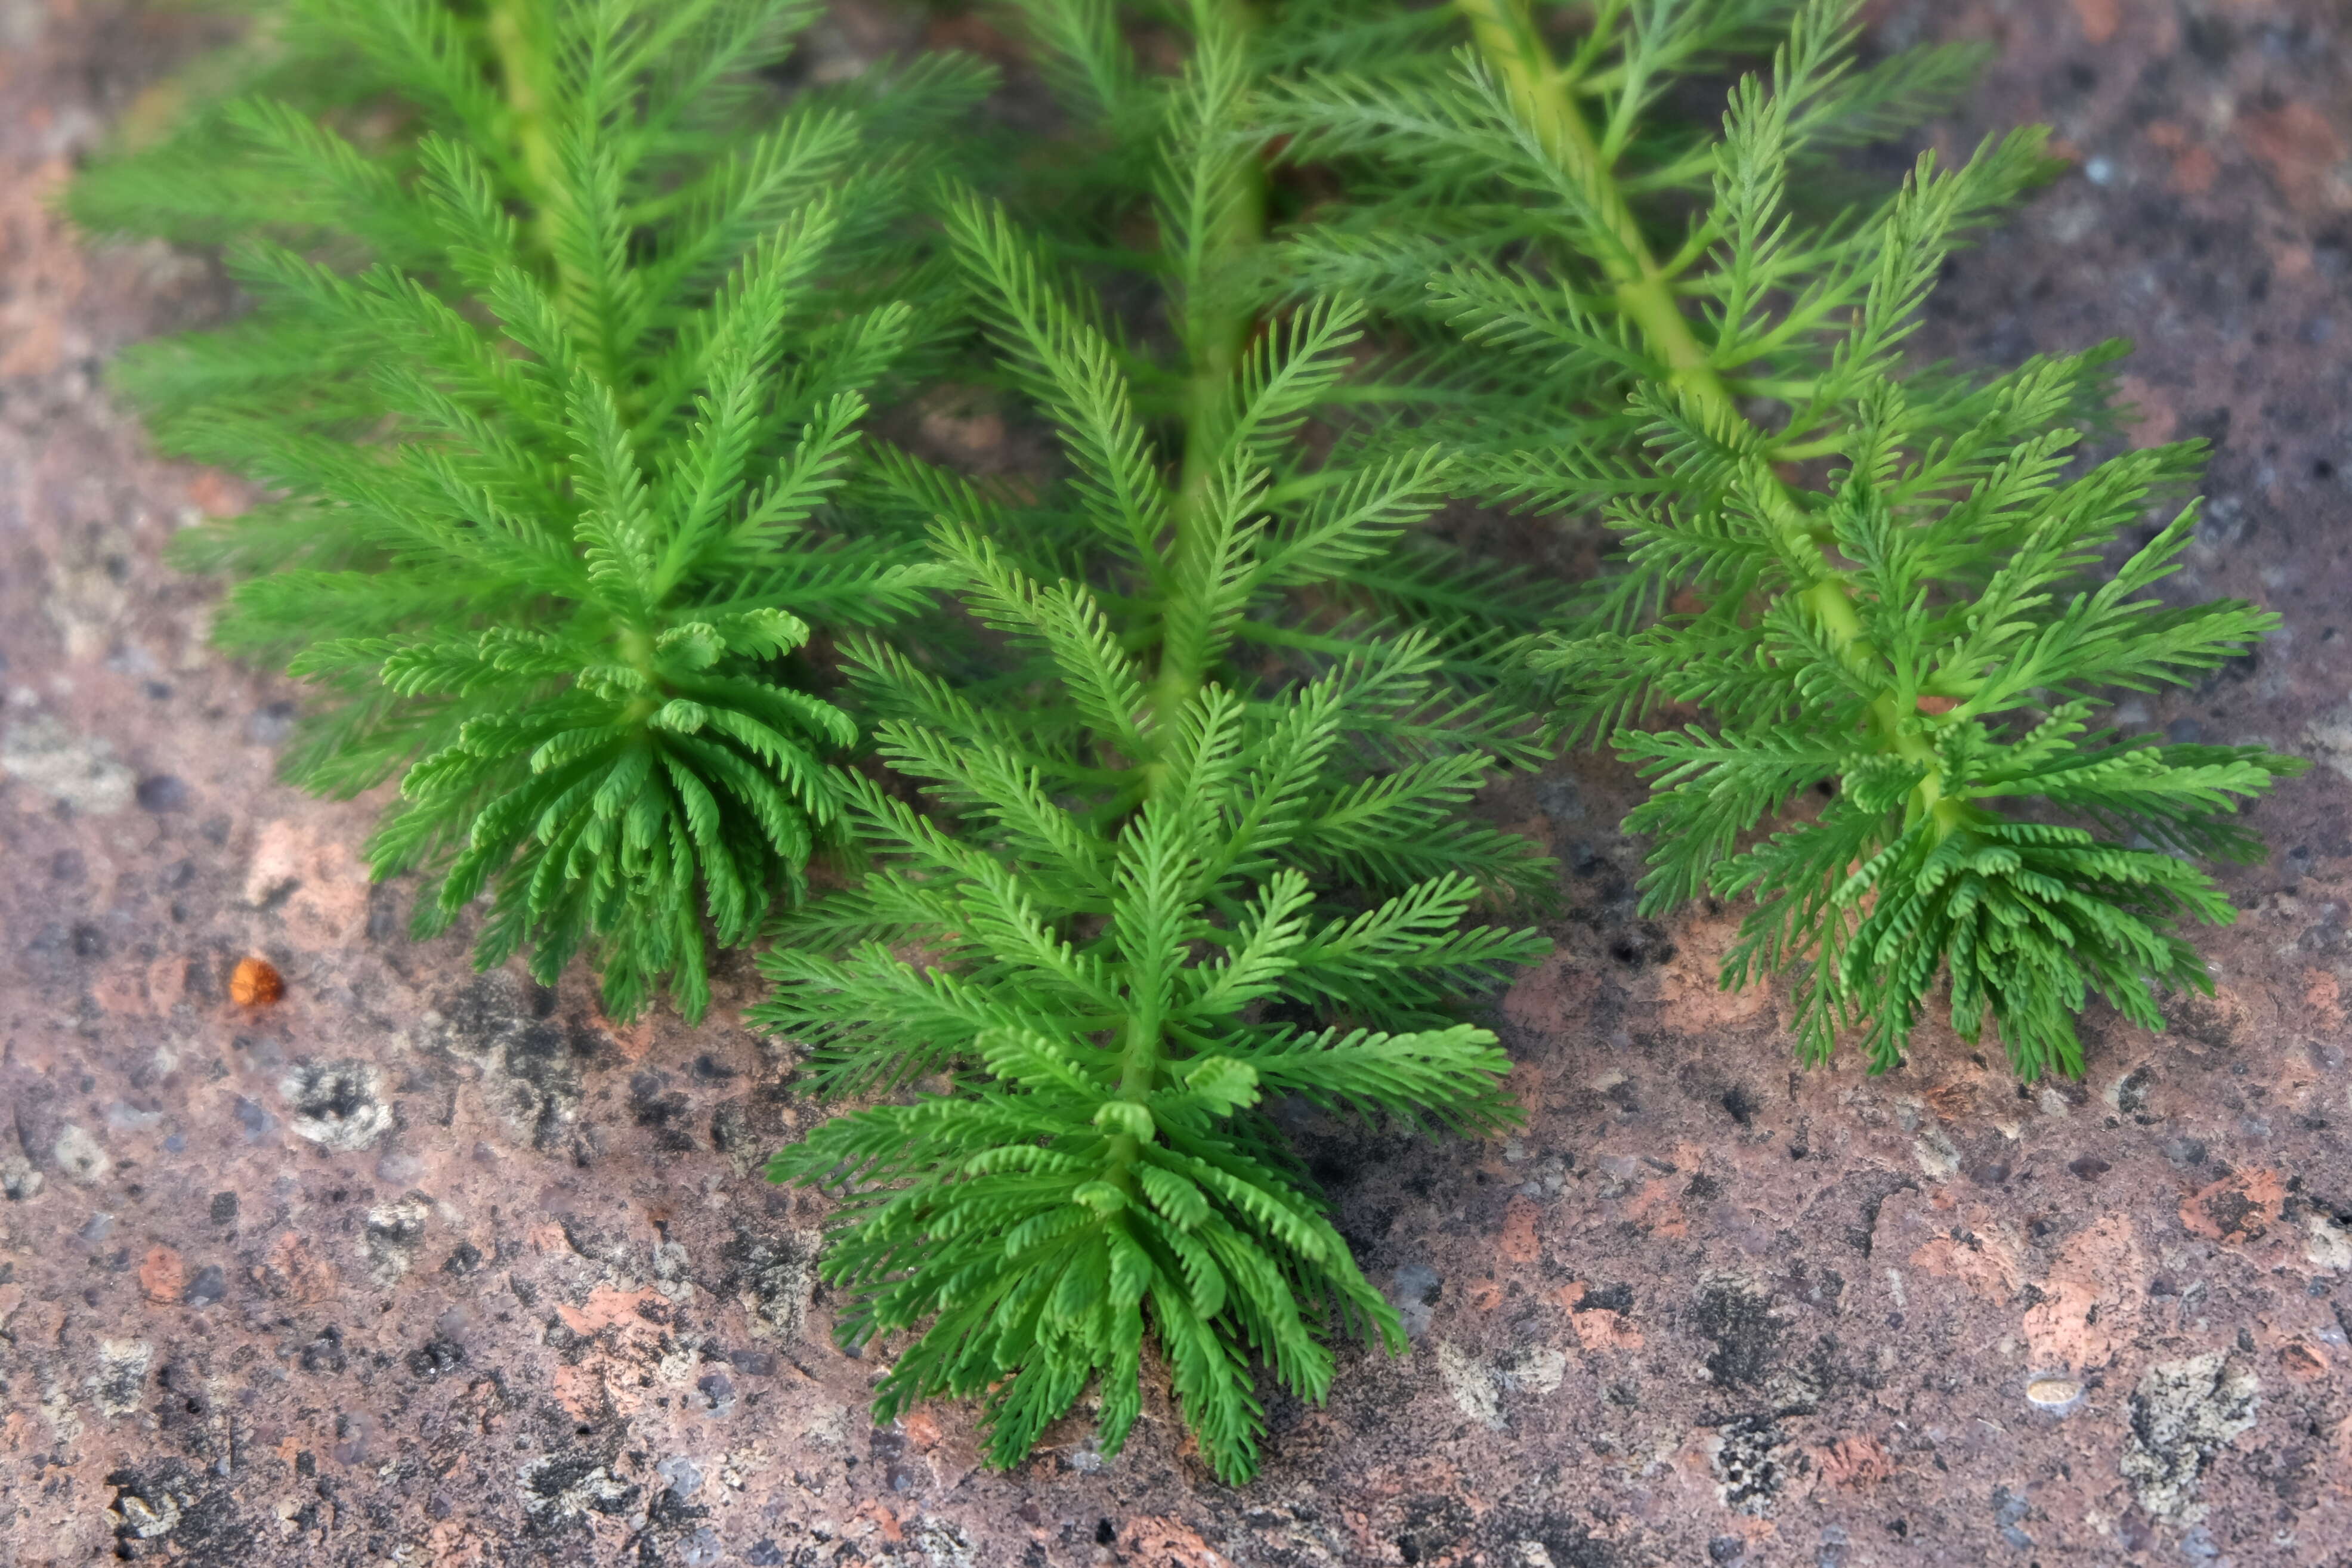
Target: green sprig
1925	630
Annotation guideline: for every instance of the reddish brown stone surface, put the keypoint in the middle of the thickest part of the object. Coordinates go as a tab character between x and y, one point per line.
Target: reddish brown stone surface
419	1266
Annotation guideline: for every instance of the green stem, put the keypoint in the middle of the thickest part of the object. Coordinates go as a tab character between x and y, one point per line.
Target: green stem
519	33
1506	36
635	648
1216	333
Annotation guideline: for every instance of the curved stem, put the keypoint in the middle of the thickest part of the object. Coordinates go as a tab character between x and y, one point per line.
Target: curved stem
1506	37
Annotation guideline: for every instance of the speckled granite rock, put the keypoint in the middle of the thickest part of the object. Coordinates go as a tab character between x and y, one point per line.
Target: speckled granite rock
421	1266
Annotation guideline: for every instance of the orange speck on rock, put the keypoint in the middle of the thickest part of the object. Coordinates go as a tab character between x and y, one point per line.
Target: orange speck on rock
163	1278
255	983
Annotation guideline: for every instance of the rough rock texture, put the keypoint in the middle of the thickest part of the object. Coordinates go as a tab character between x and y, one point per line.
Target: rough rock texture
422	1266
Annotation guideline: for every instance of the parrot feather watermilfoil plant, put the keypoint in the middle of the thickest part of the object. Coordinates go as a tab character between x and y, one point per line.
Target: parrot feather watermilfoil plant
1837	566
567	318
1201	848
554	374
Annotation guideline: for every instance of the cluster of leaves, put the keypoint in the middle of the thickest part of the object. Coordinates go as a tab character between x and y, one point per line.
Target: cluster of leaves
1661	328
556	392
1101	985
1138	874
567	320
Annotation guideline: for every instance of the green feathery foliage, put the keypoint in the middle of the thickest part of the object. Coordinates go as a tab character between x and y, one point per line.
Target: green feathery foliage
1858	569
1115	935
1087	194
556	389
567	317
